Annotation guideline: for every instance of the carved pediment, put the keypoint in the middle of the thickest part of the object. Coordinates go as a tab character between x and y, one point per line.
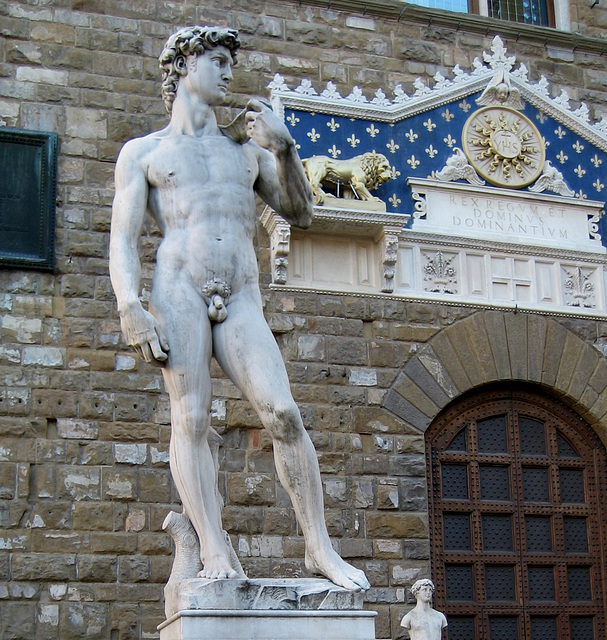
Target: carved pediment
420	132
507	216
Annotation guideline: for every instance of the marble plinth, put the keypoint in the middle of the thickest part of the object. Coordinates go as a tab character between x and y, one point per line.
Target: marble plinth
267	609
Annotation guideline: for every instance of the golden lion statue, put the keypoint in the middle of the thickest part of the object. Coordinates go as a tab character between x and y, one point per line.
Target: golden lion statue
355	177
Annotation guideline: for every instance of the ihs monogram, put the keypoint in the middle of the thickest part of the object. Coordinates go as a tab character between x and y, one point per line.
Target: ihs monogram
504	147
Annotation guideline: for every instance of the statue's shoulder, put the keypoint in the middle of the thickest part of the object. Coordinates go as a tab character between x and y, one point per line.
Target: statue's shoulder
138	147
137	155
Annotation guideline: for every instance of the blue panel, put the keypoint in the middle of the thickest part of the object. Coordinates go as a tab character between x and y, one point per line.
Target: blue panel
421	144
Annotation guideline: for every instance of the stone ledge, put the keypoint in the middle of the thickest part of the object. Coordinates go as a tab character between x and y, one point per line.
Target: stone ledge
258	609
277	625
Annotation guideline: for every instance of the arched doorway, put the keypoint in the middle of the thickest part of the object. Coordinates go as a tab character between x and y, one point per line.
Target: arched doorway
517	518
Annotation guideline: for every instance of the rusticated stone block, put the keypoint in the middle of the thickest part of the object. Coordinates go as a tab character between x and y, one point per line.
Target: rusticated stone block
397	525
134	569
79	483
251	489
88	620
14	401
349	351
377	420
93	516
48	566
97	568
76	429
555	341
19	620
408	389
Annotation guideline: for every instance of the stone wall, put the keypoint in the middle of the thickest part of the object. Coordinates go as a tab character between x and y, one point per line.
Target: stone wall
84	425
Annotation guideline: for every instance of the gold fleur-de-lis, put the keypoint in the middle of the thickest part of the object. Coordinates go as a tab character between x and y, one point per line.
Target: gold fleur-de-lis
372	130
334	126
578	147
449	141
297	146
392	146
429	124
411	136
334	151
394	200
581	195
545	142
560	132
561	157
353	140
579	171
292	119
394	173
596	161
431	151
541	116
313	135
413	162
447	115
464	105
598	185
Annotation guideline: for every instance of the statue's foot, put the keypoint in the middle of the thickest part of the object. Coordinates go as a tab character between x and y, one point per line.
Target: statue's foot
220	568
329	564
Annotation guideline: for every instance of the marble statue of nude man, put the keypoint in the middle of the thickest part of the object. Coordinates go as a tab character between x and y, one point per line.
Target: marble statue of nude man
423	622
199	185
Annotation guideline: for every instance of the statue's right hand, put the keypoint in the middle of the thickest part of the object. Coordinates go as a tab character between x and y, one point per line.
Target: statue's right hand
142	332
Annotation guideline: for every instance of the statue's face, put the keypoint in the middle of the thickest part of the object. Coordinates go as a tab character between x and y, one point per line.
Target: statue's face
425	593
209	75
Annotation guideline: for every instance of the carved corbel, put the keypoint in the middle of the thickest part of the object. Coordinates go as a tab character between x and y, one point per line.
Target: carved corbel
280	244
389	249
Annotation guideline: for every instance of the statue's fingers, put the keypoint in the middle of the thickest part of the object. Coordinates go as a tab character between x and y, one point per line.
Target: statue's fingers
158	352
147	352
164	343
138	349
254	105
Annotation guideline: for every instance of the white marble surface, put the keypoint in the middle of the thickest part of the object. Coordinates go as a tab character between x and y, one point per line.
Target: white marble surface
267	609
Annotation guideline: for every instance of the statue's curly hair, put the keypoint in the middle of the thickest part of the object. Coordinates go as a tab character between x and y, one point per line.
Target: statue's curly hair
419	584
188	41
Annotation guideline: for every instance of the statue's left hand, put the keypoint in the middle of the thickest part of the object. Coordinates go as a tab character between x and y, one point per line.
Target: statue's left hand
265	128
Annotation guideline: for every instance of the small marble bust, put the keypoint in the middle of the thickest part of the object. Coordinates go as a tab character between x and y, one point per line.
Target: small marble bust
423	622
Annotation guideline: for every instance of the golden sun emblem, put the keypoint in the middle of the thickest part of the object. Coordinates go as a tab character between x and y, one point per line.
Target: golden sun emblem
504	147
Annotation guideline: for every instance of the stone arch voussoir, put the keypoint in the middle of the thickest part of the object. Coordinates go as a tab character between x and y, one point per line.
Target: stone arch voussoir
493	346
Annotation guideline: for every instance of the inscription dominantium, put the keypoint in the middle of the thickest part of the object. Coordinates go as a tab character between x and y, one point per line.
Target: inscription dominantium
509	217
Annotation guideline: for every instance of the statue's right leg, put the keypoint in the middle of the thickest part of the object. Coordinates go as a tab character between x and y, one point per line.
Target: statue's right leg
183	316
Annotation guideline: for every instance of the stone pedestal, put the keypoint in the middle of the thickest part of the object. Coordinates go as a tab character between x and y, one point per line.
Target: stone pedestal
266	609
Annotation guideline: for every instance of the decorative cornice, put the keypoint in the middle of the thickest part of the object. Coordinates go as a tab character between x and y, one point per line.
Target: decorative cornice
513	307
443	91
457	242
401	11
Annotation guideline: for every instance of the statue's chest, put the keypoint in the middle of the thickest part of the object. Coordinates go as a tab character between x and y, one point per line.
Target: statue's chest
208	162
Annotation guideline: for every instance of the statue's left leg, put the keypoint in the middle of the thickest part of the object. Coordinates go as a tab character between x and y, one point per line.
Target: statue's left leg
246	350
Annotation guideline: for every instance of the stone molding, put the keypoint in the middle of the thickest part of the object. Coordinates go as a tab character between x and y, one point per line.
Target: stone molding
489	347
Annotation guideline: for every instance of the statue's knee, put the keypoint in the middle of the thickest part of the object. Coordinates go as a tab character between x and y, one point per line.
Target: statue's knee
193	422
286	421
